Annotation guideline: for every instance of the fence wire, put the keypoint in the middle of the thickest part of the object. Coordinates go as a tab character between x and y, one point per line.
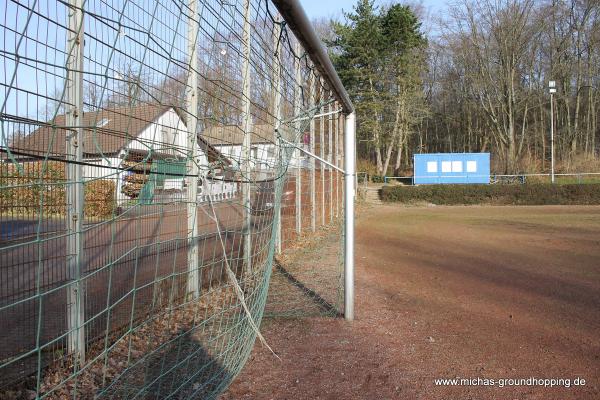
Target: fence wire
152	188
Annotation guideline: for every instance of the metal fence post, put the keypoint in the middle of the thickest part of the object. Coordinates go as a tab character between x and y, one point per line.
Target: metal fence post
192	164
313	195
75	187
337	162
330	158
247	143
277	114
297	127
322	154
350	168
340	152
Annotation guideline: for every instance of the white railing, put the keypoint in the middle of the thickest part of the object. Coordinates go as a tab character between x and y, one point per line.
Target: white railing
217	190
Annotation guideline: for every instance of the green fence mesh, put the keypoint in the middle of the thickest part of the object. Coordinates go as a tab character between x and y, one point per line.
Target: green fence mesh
160	172
153	195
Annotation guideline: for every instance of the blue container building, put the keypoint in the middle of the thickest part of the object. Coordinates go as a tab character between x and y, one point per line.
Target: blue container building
451	168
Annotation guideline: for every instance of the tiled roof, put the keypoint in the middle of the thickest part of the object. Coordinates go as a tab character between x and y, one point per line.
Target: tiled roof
223	135
106	131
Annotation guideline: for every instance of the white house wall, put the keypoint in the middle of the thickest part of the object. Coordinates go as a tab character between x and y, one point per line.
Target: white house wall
153	137
264	157
103	168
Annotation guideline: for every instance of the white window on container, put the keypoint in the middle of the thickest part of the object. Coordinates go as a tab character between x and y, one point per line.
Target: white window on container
432	166
446	166
457	166
471	166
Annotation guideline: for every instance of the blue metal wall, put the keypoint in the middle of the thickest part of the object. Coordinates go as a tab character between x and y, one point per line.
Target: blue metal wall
451	168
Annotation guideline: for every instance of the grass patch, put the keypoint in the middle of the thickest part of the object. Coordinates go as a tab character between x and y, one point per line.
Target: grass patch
530	194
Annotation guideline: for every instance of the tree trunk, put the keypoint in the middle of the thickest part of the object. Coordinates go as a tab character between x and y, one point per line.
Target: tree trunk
397	164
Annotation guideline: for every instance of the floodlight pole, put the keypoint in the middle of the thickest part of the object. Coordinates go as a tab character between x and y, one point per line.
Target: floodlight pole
552	136
350	172
192	152
74	178
552	88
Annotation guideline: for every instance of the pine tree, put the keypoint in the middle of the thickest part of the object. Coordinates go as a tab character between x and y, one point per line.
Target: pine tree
379	55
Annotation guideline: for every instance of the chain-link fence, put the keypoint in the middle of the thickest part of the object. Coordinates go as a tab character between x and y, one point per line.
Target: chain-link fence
155	169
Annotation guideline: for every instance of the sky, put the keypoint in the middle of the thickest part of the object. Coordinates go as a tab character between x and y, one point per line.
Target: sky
332	8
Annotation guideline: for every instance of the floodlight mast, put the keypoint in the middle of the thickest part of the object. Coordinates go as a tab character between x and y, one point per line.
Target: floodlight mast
296	19
552	89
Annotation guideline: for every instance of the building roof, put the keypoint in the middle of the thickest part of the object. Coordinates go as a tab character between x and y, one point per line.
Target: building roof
233	135
106	131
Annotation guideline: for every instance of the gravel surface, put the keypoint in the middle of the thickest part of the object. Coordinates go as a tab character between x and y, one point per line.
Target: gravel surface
444	292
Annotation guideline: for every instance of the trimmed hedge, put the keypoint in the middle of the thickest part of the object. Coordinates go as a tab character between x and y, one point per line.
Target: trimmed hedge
530	194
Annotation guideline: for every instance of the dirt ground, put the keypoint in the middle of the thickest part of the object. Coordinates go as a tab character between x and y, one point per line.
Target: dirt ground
444	292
